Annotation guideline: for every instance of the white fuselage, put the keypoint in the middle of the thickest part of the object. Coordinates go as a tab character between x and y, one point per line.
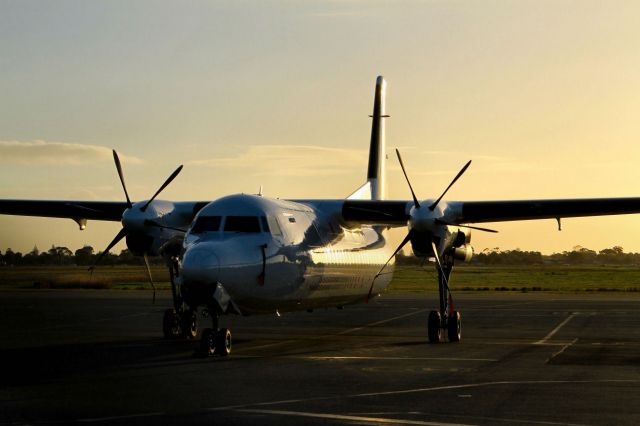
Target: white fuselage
279	255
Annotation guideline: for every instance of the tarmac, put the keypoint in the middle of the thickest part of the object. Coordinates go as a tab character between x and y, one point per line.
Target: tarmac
98	357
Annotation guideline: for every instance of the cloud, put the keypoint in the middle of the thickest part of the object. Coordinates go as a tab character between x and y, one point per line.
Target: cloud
291	160
467	155
42	152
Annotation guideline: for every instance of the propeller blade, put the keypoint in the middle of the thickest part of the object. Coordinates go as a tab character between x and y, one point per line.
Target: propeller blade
121	175
149	222
435	203
402	244
153	285
164	185
116	240
442	222
413	194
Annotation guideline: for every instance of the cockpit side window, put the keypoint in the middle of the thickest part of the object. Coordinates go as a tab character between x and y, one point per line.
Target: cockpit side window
264	223
206	224
274	227
250	224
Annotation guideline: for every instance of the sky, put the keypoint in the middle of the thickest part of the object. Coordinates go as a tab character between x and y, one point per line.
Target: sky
542	96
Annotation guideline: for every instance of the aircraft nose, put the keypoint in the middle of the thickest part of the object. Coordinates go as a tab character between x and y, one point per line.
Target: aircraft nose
200	264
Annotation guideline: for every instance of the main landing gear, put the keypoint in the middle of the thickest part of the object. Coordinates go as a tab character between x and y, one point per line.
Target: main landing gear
447	321
215	340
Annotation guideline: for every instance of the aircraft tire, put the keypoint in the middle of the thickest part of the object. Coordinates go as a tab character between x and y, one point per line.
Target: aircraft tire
223	342
207	343
189	324
170	324
434	327
454	327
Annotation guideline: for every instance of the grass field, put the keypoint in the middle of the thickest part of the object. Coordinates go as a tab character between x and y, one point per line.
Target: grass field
407	279
65	277
522	278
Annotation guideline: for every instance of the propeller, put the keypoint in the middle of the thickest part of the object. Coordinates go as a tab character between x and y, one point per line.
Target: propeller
460	173
414	219
147	222
116	159
163	186
442	222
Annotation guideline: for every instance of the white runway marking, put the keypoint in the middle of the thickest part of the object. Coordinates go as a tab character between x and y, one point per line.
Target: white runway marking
430	389
394	358
130	416
378	420
564	348
351	330
555	330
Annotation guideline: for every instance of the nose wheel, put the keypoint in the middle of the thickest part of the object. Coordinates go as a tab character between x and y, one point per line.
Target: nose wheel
215	341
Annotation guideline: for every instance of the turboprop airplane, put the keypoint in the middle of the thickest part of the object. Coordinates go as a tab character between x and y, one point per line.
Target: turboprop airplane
249	254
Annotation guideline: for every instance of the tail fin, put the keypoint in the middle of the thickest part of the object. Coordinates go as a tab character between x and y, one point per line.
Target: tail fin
374	188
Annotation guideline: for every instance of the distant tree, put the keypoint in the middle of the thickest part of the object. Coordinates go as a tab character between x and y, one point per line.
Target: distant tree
7	257
61	255
32	258
84	255
581	256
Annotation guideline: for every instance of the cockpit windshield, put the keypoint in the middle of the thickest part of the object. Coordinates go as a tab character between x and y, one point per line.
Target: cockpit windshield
250	224
206	224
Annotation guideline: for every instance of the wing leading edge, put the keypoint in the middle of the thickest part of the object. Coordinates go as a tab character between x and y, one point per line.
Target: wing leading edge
94	210
396	213
500	211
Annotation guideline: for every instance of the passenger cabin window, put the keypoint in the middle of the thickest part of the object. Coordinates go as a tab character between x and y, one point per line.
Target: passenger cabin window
206	224
250	224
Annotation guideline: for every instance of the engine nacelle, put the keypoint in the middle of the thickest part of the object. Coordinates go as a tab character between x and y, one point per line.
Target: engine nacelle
140	244
462	238
465	253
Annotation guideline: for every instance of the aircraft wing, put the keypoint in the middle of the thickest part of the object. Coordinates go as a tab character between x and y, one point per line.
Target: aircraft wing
95	210
500	211
397	213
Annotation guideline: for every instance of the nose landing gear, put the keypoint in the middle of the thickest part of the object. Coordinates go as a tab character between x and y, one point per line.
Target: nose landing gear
215	341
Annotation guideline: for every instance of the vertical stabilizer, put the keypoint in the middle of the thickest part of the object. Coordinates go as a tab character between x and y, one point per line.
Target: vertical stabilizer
376	172
374	188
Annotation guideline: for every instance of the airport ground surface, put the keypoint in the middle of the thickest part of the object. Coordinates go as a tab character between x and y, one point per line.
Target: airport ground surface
98	357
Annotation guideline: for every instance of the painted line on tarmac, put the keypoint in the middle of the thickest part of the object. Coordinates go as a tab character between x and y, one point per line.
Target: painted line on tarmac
393	358
375	420
124	417
372	324
350	330
555	330
422	390
564	348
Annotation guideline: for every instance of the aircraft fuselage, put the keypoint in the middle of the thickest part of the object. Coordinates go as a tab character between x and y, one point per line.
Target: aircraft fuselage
271	254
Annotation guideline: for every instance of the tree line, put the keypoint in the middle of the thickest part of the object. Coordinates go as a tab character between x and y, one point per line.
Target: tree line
577	256
63	256
86	256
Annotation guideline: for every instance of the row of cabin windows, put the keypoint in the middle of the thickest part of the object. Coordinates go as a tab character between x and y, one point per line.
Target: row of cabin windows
246	224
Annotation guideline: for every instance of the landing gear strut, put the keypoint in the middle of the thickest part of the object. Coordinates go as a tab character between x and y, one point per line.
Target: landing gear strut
446	321
181	321
215	340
